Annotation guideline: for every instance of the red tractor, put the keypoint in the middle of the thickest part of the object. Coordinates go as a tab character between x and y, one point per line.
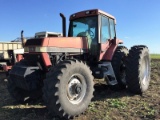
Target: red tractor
62	69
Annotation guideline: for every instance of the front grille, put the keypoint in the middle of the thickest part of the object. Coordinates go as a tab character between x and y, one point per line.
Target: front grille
32	59
35	41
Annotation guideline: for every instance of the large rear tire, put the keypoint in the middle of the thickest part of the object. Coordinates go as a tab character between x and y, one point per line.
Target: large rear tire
118	64
138	69
68	88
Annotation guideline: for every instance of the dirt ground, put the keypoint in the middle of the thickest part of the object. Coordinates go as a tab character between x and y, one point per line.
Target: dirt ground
106	105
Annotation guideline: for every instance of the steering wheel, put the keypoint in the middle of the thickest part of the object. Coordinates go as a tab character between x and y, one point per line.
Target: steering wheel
91	33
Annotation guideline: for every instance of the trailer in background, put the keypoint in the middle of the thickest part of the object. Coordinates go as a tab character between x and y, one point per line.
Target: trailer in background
10	53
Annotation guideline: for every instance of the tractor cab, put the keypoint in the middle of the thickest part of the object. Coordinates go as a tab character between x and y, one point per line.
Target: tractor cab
97	26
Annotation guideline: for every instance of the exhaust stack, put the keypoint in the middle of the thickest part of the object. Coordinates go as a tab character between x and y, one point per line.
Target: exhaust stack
23	40
63	24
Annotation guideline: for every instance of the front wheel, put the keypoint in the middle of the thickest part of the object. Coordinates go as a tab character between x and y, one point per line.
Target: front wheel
68	88
19	94
138	69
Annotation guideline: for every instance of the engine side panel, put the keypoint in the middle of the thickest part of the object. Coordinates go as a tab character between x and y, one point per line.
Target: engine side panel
62	42
68	42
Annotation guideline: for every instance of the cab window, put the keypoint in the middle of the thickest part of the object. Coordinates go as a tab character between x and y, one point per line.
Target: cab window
105	35
112	29
86	26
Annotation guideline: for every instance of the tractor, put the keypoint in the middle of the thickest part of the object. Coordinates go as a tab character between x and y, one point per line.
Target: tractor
62	69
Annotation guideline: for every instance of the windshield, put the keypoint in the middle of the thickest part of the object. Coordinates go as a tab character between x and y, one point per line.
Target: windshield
86	26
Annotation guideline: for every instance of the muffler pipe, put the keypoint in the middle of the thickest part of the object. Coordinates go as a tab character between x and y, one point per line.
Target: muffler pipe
63	24
23	40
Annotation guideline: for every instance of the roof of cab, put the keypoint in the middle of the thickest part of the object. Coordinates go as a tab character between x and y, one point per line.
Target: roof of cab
96	12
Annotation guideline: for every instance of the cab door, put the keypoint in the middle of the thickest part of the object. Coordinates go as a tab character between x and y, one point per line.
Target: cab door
107	38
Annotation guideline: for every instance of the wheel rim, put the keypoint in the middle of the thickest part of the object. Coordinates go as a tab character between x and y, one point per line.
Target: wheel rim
76	89
145	70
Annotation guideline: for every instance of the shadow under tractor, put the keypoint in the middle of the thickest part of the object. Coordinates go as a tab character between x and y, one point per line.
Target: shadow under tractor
62	69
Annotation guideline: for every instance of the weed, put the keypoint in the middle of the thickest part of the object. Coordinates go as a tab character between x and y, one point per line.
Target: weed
117	103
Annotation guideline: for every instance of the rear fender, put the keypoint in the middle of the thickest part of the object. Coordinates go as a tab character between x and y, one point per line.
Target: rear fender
109	52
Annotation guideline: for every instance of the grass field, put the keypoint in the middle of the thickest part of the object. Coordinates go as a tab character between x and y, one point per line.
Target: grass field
155	56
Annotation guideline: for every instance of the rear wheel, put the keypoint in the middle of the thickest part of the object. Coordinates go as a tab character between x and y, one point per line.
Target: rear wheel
138	69
118	64
68	88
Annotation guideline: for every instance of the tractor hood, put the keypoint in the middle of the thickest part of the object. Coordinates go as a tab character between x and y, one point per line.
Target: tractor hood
57	44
